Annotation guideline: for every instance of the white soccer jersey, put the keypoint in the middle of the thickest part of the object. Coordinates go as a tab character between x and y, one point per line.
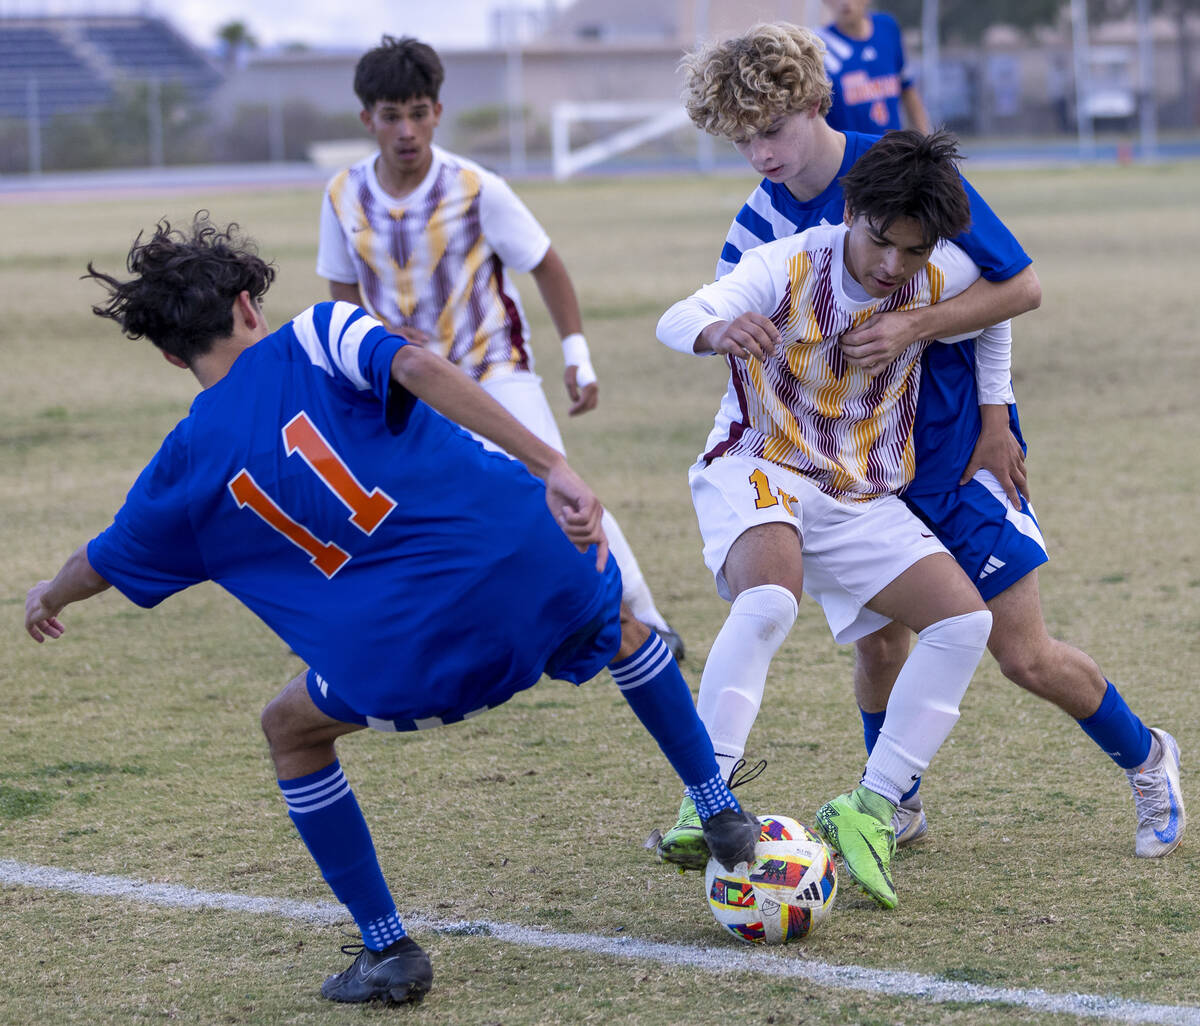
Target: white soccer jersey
805	408
437	259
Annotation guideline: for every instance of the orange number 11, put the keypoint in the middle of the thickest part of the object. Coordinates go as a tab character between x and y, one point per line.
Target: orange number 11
367	509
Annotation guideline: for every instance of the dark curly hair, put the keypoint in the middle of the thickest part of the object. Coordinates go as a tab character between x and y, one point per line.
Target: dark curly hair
909	174
187	280
398	69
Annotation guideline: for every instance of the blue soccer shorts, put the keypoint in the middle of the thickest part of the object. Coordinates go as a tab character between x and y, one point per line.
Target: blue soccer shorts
578	658
995	542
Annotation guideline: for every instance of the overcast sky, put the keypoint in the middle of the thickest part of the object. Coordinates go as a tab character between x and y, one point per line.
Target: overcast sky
320	23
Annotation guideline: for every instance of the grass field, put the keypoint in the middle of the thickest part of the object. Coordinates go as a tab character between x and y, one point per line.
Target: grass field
131	746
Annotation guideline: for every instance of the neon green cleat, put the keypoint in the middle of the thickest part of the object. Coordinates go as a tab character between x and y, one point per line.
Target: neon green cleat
858	826
684	845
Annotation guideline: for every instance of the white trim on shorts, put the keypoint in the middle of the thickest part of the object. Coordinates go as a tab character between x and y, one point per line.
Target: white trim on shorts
851	551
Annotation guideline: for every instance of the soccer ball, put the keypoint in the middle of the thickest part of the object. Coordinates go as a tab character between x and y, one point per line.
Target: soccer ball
788	891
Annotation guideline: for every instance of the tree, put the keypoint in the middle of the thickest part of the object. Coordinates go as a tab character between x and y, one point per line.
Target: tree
967	20
235	39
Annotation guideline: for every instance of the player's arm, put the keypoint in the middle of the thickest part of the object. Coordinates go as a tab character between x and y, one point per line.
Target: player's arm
348	292
75	582
558	293
453	394
997	449
880	339
726	317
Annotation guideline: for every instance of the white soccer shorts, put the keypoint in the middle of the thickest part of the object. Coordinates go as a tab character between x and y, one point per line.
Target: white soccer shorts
851	551
521	394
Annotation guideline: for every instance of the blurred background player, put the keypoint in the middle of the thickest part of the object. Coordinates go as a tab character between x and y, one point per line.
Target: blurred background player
424	239
864	55
767	91
796	489
314	480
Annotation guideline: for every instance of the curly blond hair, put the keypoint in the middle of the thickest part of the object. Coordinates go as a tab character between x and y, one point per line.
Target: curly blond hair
737	87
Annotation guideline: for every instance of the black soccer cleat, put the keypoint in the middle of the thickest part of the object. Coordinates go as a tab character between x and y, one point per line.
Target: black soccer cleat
731	837
399	974
672	640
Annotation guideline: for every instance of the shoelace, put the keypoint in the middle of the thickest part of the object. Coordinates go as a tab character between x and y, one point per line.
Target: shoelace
1150	795
753	773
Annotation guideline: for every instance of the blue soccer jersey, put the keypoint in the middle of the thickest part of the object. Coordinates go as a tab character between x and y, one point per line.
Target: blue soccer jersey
868	76
419	574
947	424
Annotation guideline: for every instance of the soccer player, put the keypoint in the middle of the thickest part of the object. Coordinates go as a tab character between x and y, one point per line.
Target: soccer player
767	92
422	578
796	489
864	55
424	240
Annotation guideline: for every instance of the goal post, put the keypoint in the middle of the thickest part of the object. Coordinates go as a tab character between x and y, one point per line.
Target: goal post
650	121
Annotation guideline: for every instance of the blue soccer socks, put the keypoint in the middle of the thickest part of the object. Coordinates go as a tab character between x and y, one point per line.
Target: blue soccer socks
712	796
655	689
1118	731
872	725
327	815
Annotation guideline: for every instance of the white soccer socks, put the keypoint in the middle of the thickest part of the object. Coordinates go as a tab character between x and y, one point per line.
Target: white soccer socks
731	687
635	592
923	706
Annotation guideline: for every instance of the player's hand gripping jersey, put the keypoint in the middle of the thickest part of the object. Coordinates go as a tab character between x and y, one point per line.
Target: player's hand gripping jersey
437	260
805	408
947	424
307	472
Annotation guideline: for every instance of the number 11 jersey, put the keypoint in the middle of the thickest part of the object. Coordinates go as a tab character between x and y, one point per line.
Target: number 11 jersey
417	573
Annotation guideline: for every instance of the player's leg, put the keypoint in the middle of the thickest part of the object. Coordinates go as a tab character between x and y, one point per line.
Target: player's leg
635	591
522	396
752	546
1062	674
1001	546
878	659
324	810
651	683
861	567
996	544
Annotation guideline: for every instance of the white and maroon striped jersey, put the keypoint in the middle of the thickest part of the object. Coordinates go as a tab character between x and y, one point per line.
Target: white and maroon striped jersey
805	408
438	258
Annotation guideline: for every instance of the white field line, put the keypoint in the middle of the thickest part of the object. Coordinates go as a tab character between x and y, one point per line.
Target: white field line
791	963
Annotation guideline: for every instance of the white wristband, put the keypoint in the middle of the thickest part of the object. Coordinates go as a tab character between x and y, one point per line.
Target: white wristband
575	354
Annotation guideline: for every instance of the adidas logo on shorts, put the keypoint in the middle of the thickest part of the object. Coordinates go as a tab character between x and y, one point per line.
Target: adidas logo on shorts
993	564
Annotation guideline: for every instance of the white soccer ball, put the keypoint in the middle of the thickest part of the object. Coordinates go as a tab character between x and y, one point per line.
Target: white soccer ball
786	894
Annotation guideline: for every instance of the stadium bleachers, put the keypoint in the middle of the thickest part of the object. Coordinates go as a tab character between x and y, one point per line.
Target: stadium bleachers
37	55
75	63
149	48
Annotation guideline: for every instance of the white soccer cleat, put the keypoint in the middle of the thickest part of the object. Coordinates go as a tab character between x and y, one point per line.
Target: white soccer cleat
909	822
1158	801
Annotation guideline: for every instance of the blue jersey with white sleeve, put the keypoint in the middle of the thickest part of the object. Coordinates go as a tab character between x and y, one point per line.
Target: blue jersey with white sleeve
419	574
868	76
947	425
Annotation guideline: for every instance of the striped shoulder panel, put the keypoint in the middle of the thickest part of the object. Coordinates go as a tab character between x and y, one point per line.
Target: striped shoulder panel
331	335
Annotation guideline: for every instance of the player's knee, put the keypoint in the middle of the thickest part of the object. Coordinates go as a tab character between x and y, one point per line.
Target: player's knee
880	655
633	633
966	631
273	721
1027	664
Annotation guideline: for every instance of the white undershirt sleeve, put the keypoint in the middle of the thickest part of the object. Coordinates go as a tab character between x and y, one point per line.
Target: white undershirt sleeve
993	365
748	287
